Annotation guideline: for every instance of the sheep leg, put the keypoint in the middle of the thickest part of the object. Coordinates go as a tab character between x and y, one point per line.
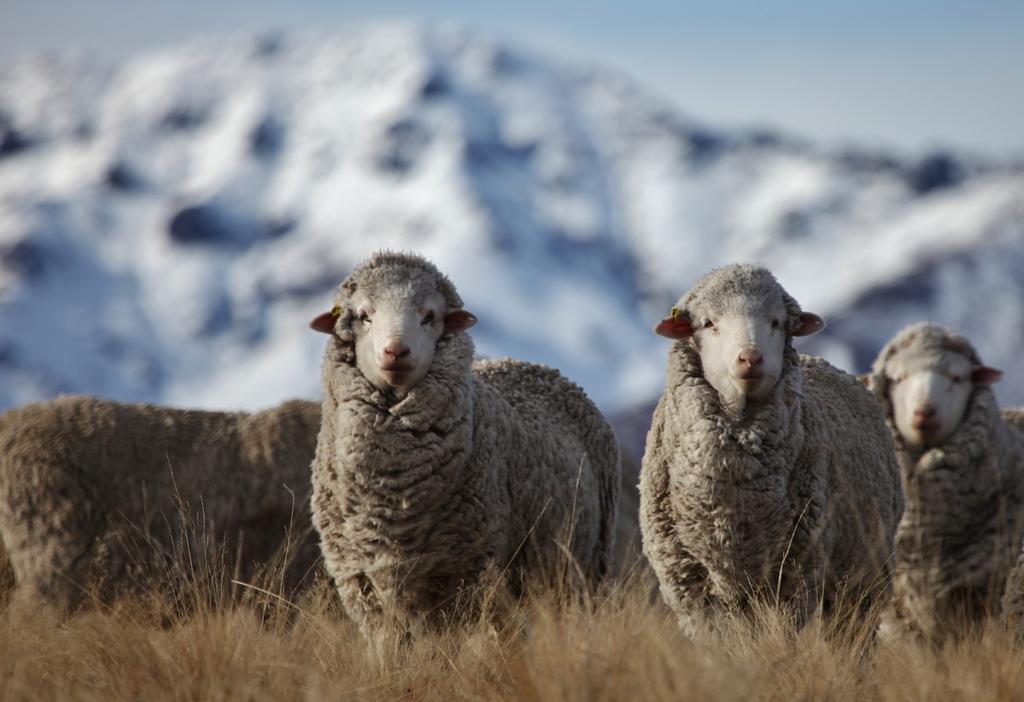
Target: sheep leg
51	522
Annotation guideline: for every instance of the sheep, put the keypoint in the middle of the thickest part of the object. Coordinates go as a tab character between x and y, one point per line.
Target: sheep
99	497
767	476
436	476
962	467
1012	602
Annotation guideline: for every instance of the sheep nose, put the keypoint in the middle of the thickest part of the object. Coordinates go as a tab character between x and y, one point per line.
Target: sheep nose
396	350
924	412
751	357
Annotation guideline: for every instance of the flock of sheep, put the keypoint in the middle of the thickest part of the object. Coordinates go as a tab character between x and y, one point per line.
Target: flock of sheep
427	477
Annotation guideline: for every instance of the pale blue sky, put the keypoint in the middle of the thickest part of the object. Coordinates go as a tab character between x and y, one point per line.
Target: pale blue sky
912	74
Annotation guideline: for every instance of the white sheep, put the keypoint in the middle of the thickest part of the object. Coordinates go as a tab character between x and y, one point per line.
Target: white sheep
962	466
433	473
1012	603
99	496
767	475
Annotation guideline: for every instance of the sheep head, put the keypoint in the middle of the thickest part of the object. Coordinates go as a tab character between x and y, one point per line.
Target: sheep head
389	315
927	376
740	321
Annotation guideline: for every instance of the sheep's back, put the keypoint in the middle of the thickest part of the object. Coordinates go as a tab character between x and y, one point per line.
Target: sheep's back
864	482
545	401
196	453
78	471
279	443
567	457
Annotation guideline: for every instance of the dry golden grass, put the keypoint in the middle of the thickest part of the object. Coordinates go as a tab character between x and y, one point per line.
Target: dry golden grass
622	645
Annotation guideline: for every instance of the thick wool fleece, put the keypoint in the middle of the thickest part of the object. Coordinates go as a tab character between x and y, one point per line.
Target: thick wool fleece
94	492
1013	597
963	526
501	468
798	502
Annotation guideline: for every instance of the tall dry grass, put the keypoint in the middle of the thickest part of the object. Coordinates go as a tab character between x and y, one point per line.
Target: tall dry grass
248	643
190	630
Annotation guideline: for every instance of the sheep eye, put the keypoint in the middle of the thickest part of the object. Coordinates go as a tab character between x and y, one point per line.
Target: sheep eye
708	324
429	318
364	318
957	378
775	324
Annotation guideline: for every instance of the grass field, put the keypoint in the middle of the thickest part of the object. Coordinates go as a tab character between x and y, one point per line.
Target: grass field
622	645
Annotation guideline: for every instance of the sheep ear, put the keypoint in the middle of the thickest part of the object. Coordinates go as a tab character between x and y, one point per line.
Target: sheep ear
459	321
808	323
983	375
676	326
326	321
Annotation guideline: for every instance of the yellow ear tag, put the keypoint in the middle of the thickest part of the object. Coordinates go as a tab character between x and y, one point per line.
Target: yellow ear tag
335	311
676	313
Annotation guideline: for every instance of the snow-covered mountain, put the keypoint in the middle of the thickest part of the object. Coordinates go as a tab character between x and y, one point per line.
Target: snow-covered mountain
169	225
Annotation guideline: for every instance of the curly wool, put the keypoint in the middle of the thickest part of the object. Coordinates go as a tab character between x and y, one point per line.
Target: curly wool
734	510
100	493
963	525
796	503
741	288
480	470
1013	597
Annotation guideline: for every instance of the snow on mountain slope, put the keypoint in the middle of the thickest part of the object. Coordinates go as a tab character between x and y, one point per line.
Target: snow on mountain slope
168	226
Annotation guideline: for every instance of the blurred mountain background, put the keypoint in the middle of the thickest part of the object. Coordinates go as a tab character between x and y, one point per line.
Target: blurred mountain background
171	220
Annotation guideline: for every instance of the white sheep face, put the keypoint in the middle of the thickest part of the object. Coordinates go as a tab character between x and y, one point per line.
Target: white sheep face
741	352
929	391
741	342
396	335
738	319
